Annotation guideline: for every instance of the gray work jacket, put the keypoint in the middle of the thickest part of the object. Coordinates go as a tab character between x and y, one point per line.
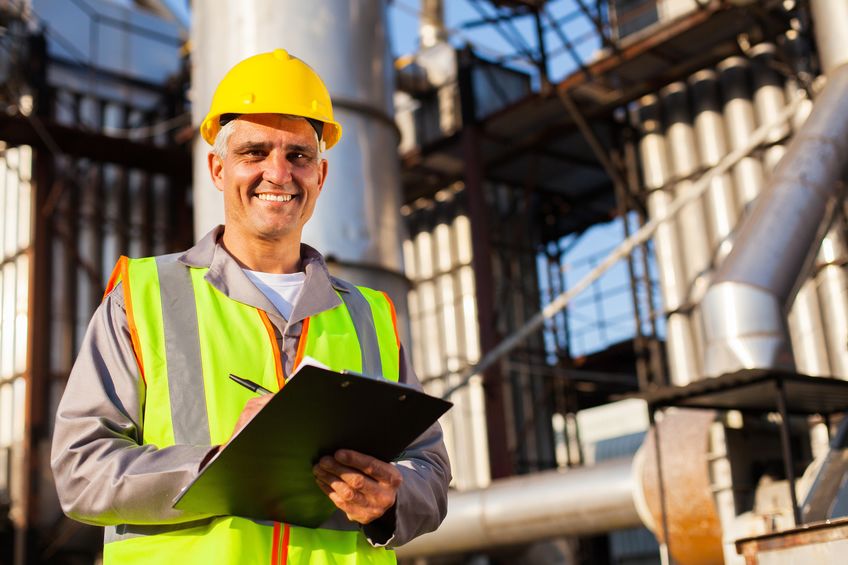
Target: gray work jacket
105	476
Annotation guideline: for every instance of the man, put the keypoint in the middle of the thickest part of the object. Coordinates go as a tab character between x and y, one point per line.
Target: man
148	400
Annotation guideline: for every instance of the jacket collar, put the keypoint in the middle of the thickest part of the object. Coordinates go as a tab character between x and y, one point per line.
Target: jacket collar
319	292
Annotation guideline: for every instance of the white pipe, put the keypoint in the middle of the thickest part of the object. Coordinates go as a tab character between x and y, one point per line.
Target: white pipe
832	282
667	243
831	22
582	501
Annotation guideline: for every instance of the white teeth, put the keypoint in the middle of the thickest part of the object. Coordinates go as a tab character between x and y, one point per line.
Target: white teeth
275	197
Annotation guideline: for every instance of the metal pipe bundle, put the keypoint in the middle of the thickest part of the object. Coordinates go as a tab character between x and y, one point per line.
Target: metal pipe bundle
667	244
743	309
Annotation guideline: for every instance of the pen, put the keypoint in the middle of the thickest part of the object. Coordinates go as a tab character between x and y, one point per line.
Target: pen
250	385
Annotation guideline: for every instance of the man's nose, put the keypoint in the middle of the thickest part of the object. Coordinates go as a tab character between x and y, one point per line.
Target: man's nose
277	169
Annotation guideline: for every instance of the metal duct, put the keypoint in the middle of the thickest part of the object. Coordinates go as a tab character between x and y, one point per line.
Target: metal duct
743	308
582	501
656	174
357	220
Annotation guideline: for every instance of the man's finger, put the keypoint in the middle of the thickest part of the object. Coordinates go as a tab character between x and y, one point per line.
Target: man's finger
376	469
338	485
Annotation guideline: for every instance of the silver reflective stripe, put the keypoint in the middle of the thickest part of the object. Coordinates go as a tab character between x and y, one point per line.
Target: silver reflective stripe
337	522
129	531
366	333
182	353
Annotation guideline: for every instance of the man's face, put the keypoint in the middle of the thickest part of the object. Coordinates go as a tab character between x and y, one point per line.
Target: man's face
271	177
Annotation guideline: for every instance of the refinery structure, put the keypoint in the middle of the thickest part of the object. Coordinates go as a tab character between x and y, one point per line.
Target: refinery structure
671	393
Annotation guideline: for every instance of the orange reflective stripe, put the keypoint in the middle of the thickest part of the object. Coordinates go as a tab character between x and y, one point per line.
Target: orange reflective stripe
275	547
121	273
278	362
301	345
118	273
284	549
394	318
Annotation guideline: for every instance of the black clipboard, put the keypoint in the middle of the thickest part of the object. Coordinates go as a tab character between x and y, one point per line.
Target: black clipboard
265	471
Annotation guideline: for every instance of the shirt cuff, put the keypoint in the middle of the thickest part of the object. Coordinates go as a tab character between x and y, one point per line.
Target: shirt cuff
381	531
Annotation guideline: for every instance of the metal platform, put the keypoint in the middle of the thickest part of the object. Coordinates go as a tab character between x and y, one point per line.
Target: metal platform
755	390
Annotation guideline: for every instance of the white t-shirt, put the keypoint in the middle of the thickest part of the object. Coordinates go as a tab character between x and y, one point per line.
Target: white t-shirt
281	289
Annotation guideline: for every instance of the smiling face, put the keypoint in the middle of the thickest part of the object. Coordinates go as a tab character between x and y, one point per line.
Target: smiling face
271	177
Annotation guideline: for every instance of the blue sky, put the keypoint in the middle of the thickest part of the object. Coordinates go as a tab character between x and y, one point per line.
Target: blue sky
403	30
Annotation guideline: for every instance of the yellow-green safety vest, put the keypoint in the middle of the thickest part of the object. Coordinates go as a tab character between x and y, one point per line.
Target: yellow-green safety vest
178	322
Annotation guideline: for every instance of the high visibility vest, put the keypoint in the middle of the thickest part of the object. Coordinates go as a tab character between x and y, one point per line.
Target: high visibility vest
188	337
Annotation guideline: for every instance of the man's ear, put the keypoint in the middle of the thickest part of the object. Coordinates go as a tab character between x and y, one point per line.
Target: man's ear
216	170
324	167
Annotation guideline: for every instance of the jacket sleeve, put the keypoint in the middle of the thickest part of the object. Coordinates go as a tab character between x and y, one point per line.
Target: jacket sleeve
422	500
104	475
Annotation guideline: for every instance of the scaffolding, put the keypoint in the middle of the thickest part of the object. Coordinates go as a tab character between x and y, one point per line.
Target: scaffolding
94	165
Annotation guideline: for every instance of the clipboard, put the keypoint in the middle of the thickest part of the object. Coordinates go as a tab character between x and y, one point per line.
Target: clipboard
265	471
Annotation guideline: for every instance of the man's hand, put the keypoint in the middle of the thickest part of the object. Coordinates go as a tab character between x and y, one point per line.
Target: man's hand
362	487
253	406
250	409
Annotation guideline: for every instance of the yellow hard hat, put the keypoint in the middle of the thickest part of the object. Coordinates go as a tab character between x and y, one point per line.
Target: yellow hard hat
272	83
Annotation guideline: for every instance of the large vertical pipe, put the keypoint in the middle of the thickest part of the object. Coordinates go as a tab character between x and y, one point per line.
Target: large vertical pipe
684	164
356	222
667	245
740	124
692	225
769	101
831	24
832	282
806	326
432	28
806	332
709	129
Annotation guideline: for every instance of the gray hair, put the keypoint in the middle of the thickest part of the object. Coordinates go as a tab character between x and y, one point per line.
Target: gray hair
219	148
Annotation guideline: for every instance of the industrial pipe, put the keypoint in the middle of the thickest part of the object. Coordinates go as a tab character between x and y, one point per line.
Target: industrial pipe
721	205
582	501
832	282
743	308
667	244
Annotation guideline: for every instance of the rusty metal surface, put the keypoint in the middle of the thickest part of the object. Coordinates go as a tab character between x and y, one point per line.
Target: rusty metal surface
694	530
820	543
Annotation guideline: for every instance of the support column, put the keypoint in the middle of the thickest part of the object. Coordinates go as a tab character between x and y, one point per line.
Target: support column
493	384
